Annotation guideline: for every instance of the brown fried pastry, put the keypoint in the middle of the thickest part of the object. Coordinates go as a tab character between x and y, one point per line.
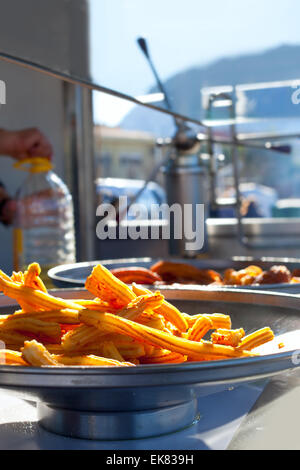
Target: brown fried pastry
139	275
182	272
276	275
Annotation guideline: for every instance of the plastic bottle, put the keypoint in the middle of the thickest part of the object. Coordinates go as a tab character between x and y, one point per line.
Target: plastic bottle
44	222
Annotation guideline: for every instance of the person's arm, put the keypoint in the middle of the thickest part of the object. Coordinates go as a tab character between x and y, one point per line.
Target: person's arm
20	144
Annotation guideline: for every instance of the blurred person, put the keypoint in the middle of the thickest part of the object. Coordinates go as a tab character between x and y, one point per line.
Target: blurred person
250	208
20	144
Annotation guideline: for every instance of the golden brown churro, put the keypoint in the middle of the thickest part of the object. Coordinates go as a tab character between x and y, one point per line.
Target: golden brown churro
256	339
35	354
167	310
228	337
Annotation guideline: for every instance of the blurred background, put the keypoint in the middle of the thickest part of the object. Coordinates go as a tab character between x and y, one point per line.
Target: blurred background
105	142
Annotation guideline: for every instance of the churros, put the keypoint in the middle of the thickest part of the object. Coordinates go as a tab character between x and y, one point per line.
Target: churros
228	337
49	331
121	326
113	323
90	360
163	356
167	310
64	316
256	339
80	337
172	272
219	320
200	328
103	284
33	297
36	354
12	358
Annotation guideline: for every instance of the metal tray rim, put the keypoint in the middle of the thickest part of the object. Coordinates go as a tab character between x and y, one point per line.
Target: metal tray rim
54	273
288	301
146	368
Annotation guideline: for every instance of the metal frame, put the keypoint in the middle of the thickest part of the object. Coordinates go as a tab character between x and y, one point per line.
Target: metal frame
79	148
79	166
79	156
91	86
235	143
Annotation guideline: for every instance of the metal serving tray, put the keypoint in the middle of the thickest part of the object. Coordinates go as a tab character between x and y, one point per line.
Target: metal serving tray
126	403
74	275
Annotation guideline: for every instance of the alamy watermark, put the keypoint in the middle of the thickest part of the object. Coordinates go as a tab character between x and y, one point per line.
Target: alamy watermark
178	222
2	92
296	358
296	94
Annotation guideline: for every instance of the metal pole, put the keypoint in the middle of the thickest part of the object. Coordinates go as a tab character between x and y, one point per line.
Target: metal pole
79	167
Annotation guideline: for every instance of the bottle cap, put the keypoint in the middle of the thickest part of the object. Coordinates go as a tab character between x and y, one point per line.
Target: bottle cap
34	165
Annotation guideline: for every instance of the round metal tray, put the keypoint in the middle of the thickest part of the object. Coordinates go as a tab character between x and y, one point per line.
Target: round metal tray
74	275
135	402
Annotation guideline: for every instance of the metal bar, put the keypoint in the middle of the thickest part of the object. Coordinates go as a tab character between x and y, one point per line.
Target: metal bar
79	167
266	136
91	86
70	154
209	139
203	138
236	174
85	174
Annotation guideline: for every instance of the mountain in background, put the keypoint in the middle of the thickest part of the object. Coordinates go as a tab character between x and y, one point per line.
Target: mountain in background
281	63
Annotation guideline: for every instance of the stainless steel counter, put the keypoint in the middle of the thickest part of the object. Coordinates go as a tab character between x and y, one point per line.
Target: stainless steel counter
267	237
273	423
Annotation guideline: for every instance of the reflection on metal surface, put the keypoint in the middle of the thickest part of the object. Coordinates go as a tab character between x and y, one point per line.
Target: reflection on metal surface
120	425
151	98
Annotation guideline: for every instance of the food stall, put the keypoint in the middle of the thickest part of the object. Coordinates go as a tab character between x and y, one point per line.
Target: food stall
154	383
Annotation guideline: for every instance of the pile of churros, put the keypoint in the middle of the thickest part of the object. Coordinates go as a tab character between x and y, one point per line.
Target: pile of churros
122	326
170	272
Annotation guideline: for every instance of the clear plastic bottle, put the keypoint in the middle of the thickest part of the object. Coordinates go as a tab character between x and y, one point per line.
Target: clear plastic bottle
44	222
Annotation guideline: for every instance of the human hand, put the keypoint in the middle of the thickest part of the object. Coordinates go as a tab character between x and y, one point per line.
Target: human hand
24	143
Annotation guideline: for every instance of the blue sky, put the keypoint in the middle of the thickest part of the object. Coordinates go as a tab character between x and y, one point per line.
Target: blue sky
181	34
